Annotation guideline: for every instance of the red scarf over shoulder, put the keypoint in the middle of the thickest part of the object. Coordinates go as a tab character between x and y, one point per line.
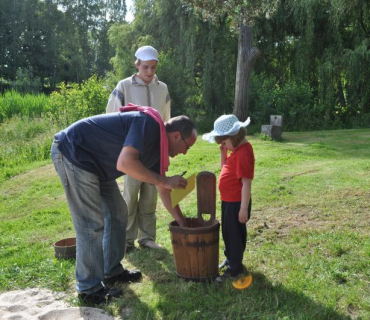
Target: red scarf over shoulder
163	136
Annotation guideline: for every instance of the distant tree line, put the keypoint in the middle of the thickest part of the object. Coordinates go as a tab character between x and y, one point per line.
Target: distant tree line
313	68
43	43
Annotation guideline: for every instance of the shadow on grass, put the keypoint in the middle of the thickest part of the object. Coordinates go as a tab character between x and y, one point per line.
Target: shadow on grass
157	265
122	305
179	299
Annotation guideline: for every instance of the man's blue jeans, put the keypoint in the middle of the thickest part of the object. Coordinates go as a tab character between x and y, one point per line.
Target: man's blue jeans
99	215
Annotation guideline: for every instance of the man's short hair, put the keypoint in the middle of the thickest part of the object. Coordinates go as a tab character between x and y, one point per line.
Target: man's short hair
180	124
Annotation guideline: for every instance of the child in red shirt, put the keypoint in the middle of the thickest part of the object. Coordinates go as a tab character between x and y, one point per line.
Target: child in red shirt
235	183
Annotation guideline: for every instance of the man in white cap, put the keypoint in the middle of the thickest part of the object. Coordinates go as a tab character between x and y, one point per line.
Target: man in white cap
144	89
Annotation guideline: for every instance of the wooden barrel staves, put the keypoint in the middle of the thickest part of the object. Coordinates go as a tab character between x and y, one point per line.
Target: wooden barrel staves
196	247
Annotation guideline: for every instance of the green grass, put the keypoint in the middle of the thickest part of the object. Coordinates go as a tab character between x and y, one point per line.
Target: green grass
308	244
13	103
24	142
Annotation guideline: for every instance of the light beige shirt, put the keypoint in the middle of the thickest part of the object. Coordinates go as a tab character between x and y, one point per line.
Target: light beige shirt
134	90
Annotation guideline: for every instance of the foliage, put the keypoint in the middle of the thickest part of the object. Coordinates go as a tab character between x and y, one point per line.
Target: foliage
293	100
28	122
319	49
26	81
236	9
123	39
76	102
312	68
58	40
65	106
324	44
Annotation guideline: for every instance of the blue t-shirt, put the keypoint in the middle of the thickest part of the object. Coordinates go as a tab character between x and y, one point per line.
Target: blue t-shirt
94	144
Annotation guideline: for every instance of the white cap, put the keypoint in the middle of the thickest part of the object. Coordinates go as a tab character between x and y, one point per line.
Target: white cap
146	53
226	125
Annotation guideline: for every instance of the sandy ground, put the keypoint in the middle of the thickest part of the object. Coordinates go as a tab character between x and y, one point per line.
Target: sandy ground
42	304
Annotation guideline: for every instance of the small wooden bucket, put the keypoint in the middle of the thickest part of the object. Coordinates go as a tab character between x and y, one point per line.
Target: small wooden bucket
196	247
65	248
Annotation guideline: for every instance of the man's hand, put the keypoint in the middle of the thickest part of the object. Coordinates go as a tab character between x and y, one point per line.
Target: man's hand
182	221
175	182
129	163
176	213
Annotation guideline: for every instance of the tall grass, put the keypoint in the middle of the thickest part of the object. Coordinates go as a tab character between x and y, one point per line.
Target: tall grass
24	141
13	103
29	122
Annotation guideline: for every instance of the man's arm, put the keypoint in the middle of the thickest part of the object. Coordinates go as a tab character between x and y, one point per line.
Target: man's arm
176	213
130	164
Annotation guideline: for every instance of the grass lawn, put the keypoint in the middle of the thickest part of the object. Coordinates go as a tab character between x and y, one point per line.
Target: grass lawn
308	244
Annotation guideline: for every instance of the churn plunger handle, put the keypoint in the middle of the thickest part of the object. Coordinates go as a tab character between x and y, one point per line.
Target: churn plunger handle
206	194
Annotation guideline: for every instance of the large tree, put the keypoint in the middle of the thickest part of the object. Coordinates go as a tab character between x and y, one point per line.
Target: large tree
242	13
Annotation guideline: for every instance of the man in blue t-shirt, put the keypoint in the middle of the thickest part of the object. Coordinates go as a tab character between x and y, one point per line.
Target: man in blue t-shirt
89	156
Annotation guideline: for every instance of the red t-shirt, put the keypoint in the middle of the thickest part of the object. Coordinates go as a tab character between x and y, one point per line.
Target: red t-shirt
240	164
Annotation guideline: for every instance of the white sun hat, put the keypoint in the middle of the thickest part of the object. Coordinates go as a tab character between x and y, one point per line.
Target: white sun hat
226	125
146	53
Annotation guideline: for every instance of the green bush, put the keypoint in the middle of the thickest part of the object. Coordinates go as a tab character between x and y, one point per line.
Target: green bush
261	99
293	100
78	102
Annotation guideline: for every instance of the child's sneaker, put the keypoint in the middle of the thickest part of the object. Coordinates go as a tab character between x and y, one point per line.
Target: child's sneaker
224	264
227	275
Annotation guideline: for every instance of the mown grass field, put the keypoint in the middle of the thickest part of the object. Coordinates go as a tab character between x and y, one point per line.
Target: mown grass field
308	244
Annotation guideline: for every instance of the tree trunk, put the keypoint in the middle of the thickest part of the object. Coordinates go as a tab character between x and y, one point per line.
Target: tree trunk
247	55
342	99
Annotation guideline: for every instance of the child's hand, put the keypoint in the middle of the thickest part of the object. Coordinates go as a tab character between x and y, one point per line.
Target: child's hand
223	153
243	216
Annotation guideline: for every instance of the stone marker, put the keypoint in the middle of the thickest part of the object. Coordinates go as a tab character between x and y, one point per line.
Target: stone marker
273	130
276	121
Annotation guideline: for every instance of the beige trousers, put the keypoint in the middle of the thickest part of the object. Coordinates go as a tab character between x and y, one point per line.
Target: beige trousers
141	199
